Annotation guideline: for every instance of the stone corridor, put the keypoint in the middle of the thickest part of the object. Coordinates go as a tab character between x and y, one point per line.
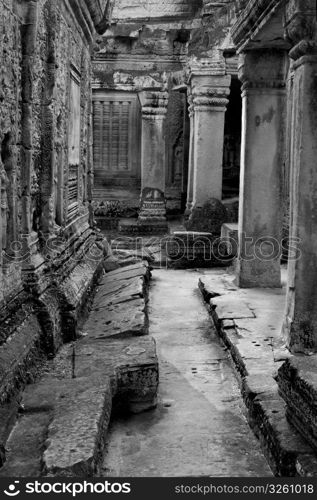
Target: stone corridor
198	428
136	134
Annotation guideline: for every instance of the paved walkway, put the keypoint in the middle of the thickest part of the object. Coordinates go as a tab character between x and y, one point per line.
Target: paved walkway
198	428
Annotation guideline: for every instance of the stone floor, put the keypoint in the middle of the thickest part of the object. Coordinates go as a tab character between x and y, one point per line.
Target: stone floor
198	428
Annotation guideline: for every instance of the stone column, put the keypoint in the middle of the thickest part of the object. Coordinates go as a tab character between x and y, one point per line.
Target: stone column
186	135
190	180
262	150
300	324
210	89
153	157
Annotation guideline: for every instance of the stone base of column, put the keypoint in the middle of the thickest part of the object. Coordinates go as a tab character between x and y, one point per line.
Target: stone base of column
188	249
153	209
152	217
258	273
207	218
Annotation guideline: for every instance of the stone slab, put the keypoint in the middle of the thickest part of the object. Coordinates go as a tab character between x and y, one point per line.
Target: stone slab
63	422
121	292
72	403
120	319
102	357
25	446
127	273
76	434
229	307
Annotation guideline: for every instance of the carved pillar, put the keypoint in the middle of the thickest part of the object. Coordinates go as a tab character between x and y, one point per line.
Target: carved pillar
300	325
262	150
186	129
190	180
210	89
153	157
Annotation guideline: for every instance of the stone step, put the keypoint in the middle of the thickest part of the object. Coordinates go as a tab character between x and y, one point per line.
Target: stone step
63	419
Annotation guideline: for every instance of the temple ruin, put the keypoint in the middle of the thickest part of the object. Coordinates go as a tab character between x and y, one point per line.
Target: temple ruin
150	150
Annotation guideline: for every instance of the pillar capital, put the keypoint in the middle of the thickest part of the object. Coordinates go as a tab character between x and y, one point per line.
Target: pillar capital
154	104
209	85
207	98
207	66
300	25
262	69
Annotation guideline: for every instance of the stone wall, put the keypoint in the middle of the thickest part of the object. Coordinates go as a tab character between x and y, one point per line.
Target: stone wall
135	9
50	254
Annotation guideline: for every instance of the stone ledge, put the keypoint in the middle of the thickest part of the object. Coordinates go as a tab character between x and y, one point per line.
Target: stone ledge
63	420
20	354
256	368
297	381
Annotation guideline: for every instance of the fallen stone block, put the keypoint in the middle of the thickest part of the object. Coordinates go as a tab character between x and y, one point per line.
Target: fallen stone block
25	446
76	434
122	292
62	424
140	269
129	318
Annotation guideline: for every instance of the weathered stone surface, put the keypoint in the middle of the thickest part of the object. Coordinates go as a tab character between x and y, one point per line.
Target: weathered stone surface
252	342
187	249
124	293
45	160
229	307
130	10
306	466
297	381
76	434
25	445
207	218
72	403
229	235
20	354
140	269
126	317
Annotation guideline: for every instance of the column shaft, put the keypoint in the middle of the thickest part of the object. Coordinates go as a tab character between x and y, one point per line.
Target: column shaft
190	181
300	325
209	103
260	219
153	157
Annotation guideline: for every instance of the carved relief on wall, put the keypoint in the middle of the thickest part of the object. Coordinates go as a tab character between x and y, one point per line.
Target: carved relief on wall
74	142
8	196
4	183
178	154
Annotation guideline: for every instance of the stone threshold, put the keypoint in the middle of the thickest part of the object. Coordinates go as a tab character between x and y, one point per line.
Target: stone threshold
63	418
248	323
